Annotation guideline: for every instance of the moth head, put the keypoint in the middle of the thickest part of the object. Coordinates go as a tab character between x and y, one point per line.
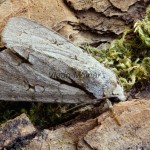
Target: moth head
119	93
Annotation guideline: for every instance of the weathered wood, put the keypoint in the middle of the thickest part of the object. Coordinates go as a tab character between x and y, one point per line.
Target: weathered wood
134	132
101	133
12	130
102	21
107	16
40	65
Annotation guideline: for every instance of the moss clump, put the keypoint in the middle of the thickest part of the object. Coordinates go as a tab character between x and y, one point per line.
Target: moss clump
129	57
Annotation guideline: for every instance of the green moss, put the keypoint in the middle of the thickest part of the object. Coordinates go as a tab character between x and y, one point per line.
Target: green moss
128	57
129	66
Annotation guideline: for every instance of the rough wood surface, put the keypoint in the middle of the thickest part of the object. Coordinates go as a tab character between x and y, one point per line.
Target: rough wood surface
134	132
12	130
123	5
101	133
42	66
48	12
107	18
66	17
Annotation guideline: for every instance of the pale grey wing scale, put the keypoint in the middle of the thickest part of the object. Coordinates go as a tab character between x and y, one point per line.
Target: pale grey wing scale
20	82
50	66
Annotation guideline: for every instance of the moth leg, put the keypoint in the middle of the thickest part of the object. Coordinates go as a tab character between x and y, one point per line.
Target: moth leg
109	103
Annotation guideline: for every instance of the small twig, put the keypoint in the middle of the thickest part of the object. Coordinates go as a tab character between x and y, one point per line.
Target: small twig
76	107
113	112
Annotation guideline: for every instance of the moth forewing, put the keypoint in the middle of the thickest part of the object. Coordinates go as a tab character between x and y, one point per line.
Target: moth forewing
61	71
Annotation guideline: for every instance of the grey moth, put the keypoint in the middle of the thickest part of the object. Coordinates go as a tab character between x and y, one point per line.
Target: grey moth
40	65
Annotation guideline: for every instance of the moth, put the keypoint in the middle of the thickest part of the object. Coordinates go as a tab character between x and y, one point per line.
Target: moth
40	65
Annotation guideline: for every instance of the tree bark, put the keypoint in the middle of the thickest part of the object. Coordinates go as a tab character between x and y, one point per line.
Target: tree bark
92	22
101	133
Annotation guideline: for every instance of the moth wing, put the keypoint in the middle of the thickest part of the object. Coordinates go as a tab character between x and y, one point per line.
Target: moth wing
49	60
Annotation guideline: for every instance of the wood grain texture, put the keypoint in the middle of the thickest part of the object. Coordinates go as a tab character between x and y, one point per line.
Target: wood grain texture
17	128
40	65
75	19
